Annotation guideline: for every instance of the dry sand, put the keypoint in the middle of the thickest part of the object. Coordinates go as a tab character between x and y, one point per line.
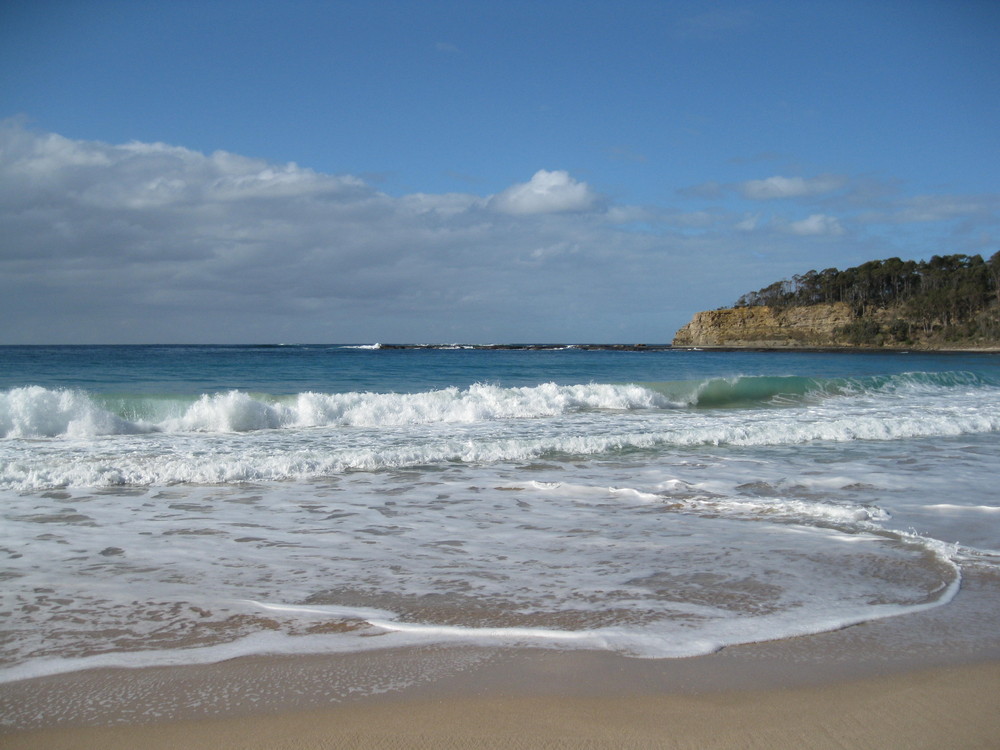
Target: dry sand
942	708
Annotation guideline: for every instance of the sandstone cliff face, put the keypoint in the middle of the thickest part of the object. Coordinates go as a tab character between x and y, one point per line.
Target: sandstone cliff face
767	327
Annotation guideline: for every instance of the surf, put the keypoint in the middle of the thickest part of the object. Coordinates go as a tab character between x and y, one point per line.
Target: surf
38	412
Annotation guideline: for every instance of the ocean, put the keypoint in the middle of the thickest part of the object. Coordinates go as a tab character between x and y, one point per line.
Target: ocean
167	505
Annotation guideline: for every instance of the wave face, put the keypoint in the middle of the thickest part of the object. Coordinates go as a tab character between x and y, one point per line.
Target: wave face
657	505
785	389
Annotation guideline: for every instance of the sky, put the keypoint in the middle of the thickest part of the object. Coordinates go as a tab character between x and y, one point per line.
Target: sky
295	171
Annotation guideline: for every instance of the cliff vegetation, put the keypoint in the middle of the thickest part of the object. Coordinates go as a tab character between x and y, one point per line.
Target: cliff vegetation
949	301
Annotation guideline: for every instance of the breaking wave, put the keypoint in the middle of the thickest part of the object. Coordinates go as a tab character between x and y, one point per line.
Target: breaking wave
36	412
60	438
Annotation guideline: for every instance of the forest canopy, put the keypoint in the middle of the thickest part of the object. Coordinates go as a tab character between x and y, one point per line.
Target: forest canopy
896	301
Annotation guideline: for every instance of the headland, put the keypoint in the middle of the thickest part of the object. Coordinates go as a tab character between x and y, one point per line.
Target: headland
947	303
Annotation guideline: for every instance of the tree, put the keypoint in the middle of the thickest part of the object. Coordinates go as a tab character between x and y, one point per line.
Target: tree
953	295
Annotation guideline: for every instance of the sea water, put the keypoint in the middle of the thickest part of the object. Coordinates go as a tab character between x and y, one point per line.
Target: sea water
180	505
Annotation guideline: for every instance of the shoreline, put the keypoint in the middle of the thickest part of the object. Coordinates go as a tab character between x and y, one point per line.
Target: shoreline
930	677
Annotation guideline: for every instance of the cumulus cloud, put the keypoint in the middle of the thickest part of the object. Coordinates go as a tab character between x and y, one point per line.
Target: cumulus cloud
546	192
789	187
147	175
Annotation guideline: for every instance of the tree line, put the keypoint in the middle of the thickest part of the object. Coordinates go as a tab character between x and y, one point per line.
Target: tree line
949	296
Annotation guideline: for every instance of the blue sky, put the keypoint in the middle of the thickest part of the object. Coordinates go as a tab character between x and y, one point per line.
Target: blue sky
468	171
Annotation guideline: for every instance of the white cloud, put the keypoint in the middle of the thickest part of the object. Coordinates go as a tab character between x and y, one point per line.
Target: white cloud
816	225
789	187
546	192
147	242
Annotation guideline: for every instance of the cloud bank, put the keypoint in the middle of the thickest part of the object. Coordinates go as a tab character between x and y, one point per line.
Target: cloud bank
146	241
149	242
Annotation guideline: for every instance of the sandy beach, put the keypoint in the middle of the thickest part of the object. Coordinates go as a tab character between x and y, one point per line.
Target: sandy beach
927	680
955	708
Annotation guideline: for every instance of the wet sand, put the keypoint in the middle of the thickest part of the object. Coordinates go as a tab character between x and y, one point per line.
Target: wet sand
927	680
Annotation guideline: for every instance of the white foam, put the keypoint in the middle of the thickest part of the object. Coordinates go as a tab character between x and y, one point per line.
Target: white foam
39	412
256	644
789	508
327	610
951	507
34	411
323	435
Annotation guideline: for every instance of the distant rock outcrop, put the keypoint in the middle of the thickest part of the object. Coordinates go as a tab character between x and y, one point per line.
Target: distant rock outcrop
769	327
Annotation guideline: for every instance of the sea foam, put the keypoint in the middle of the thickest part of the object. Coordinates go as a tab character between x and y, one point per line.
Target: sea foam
34	411
236	436
39	412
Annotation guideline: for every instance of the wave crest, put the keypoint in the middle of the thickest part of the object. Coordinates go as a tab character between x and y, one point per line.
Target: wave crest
37	412
34	412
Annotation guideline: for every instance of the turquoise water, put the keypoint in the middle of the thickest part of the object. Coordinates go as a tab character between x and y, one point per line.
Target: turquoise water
188	504
193	370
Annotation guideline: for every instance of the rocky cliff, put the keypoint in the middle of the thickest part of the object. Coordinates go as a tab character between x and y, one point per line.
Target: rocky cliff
768	327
